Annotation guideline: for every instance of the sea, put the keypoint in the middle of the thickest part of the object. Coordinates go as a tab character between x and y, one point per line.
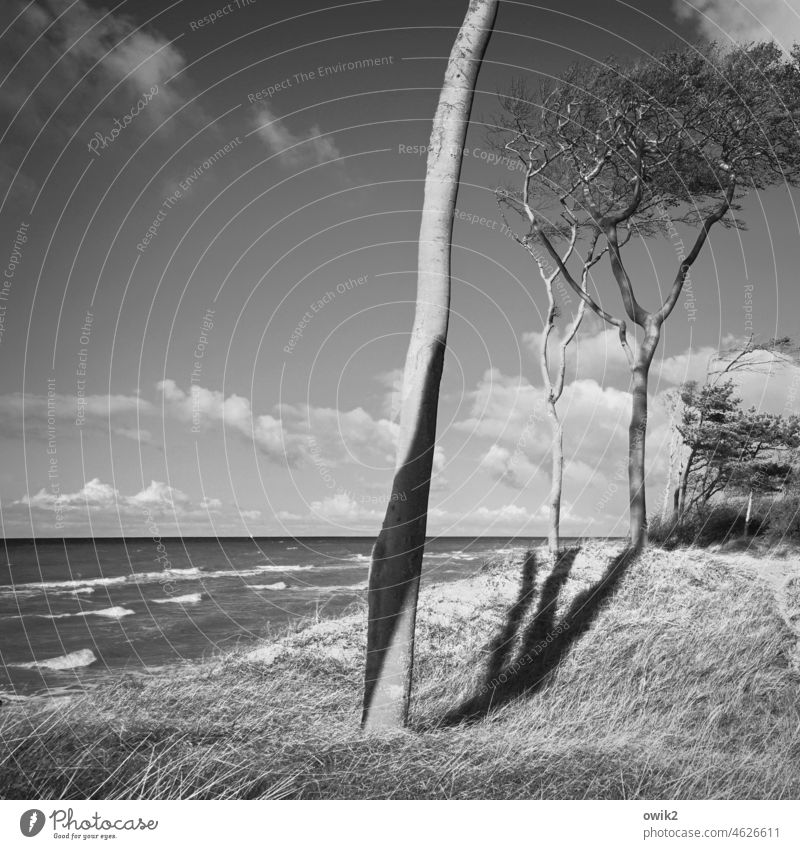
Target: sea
75	612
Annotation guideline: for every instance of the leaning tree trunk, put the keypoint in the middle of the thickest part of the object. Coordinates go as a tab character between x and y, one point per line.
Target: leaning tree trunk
397	556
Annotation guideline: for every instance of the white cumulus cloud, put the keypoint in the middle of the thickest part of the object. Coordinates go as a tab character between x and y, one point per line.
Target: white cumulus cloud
744	20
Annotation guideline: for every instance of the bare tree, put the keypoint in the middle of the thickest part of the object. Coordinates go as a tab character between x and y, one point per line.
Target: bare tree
553	368
638	149
397	556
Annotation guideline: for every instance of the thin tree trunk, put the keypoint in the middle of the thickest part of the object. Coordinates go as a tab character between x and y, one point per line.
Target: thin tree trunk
683	486
670	492
554	390
637	437
637	433
749	515
397	556
557	478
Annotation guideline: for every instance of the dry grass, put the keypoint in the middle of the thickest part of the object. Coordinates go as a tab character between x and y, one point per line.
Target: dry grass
683	688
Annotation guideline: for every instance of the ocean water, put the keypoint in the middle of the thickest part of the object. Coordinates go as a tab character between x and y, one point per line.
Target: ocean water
73	612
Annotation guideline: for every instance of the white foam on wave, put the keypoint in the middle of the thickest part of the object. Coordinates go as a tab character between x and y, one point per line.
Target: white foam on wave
112	612
73	660
310	588
87	584
106	613
360	558
251	573
190	598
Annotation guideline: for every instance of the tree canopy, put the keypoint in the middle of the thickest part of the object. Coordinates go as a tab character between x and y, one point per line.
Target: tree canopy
623	144
733	449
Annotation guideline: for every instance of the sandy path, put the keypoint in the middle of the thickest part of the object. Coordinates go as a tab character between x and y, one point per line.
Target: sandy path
783	578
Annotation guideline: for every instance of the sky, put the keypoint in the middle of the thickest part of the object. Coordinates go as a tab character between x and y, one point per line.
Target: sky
208	241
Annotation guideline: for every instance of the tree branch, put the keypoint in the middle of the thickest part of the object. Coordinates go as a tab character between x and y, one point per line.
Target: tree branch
702	236
618	218
584	296
636	313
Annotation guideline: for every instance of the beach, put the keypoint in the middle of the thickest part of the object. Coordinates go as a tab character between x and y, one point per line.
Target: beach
73	613
681	683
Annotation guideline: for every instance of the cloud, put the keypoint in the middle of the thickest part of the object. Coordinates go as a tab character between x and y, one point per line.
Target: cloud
157	497
93	495
511	411
596	354
204	408
312	148
109	64
343	436
41	417
506	424
137	434
512	468
296	433
99	507
744	20
508	412
343	507
344	510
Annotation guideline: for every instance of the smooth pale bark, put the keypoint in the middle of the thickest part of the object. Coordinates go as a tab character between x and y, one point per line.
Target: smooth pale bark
637	435
554	389
557	481
397	556
557	441
673	469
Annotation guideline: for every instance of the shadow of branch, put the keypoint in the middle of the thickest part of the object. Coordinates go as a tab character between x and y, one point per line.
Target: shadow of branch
544	642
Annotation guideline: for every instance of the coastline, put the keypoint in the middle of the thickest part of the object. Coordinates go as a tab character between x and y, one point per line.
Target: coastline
683	686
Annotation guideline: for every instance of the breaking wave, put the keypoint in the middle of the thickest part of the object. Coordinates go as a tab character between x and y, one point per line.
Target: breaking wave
106	613
73	660
190	598
88	585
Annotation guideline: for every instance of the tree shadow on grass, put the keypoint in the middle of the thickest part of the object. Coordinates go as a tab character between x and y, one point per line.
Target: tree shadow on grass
543	642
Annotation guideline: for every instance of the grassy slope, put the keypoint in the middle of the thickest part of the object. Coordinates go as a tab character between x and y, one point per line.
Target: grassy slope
684	688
